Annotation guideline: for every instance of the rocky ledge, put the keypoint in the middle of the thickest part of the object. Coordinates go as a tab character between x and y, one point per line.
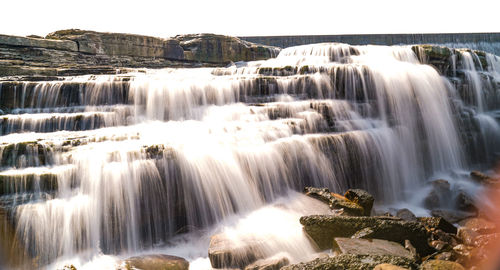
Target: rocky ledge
73	51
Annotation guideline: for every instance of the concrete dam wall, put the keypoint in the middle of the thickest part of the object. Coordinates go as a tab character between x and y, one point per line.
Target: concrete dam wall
489	42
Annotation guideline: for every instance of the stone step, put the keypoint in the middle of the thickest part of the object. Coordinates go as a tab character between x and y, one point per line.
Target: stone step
34	179
50	122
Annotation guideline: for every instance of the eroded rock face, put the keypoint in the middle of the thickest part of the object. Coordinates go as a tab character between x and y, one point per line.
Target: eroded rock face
113	44
223	49
156	262
76	52
322	229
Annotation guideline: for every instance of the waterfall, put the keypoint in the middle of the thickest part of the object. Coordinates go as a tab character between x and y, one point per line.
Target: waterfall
122	163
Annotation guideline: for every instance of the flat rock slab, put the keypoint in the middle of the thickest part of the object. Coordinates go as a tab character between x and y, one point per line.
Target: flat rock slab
441	265
353	262
225	252
370	247
157	262
323	228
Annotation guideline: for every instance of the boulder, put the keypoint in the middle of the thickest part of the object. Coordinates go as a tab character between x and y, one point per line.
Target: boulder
438	194
406	214
112	44
353	262
465	202
441	265
362	198
467	235
156	262
479	225
223	49
452	216
386	266
369	247
274	263
225	252
323	228
335	201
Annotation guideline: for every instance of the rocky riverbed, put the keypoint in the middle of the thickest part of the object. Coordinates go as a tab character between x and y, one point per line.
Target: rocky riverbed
356	237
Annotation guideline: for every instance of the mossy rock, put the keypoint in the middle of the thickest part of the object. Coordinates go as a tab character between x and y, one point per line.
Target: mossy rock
353	262
323	228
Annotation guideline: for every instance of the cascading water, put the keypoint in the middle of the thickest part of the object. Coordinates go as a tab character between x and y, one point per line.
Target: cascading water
125	163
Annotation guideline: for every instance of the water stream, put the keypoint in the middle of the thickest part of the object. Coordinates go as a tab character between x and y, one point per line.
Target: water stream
98	168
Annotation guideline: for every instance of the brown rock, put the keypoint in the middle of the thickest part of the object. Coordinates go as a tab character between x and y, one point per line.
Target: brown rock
452	216
362	198
386	266
274	263
224	252
369	247
157	262
467	235
406	214
335	201
441	265
479	225
434	223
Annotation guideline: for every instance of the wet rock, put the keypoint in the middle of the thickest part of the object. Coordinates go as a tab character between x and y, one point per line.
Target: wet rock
482	178
485	244
449	238
335	201
465	202
487	239
435	198
274	263
386	266
464	253
479	225
467	236
452	216
440	245
362	198
438	223
411	249
353	262
441	265
438	56
369	247
406	214
224	252
445	256
323	228
157	262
